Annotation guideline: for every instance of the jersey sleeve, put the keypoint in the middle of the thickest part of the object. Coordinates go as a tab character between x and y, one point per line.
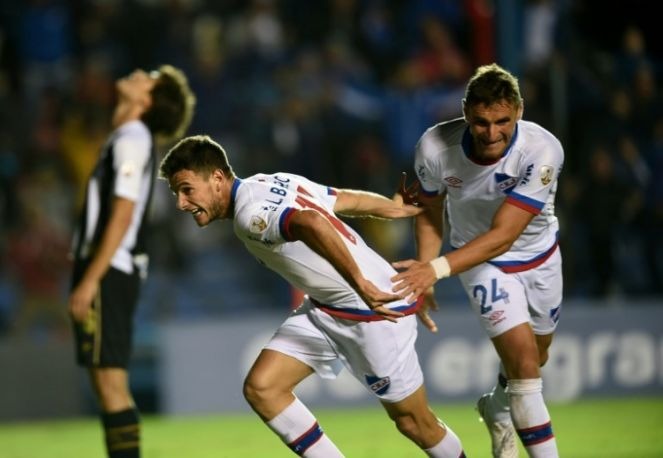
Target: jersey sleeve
537	179
131	152
426	166
263	223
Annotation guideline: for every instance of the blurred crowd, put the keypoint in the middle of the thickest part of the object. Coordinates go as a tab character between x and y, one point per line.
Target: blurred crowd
337	90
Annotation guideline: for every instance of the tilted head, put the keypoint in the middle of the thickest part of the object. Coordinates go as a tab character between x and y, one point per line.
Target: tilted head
200	176
173	103
492	106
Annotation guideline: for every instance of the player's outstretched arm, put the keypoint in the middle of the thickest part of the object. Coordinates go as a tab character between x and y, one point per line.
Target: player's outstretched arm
403	204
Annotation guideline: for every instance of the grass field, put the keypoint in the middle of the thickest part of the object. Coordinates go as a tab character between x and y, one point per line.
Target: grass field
628	428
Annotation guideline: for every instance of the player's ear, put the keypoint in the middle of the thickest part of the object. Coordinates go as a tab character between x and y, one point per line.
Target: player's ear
521	109
464	104
219	176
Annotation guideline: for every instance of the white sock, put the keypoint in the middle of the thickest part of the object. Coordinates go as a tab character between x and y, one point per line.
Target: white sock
531	418
299	430
448	447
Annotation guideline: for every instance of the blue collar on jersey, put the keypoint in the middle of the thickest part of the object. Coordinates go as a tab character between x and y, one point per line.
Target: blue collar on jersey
467	146
233	190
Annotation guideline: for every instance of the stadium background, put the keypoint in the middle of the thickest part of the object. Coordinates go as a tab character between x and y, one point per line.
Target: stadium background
338	90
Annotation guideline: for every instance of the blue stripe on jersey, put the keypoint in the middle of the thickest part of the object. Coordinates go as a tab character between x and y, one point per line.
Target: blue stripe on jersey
306	440
233	190
284	223
521	266
366	315
536	434
428	193
331	191
528	201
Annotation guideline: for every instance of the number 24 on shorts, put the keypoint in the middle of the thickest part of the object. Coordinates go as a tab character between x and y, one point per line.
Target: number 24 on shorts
480	293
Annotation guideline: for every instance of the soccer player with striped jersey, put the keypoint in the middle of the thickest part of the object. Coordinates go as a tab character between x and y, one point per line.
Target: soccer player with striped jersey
109	246
349	317
490	178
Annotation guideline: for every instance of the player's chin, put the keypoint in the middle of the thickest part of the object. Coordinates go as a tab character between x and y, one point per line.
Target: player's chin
201	220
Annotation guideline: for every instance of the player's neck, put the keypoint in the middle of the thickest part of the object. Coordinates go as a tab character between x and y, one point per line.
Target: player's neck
126	112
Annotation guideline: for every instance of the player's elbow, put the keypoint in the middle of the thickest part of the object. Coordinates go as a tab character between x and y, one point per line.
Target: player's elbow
502	245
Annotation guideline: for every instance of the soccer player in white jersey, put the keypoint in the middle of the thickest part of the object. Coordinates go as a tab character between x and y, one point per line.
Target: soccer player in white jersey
349	317
493	178
109	246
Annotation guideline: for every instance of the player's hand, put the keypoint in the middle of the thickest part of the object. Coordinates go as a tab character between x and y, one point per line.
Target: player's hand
406	196
377	299
427	305
409	193
415	279
80	300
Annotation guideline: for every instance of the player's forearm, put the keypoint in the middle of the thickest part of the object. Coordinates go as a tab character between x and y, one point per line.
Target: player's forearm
482	249
509	222
428	235
367	204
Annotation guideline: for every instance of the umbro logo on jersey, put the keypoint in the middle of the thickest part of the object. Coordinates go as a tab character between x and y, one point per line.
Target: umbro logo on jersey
453	182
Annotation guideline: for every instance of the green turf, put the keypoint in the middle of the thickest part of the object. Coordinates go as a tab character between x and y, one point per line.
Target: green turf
628	428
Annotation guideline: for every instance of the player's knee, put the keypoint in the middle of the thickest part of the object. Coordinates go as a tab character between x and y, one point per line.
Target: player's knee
524	368
256	390
109	385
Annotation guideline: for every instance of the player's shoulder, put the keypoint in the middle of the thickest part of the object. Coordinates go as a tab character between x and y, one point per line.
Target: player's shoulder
446	129
535	139
136	129
283	180
537	135
442	136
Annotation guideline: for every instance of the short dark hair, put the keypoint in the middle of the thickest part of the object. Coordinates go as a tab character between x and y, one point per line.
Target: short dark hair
491	84
172	107
198	153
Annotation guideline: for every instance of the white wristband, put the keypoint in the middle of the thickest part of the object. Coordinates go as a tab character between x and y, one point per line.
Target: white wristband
441	267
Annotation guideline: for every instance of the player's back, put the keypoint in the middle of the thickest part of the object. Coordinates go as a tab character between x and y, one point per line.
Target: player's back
264	205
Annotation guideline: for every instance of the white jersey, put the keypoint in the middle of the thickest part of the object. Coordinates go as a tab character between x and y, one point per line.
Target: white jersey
263	205
525	176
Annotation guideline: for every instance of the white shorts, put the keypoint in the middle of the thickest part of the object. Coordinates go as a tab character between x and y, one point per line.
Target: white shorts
380	354
504	301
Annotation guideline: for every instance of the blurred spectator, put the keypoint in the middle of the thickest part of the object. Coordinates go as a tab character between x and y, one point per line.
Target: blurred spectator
45	47
604	208
652	216
37	255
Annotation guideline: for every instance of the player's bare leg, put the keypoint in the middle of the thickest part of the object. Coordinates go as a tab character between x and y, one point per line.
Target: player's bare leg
415	420
522	354
268	388
119	415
